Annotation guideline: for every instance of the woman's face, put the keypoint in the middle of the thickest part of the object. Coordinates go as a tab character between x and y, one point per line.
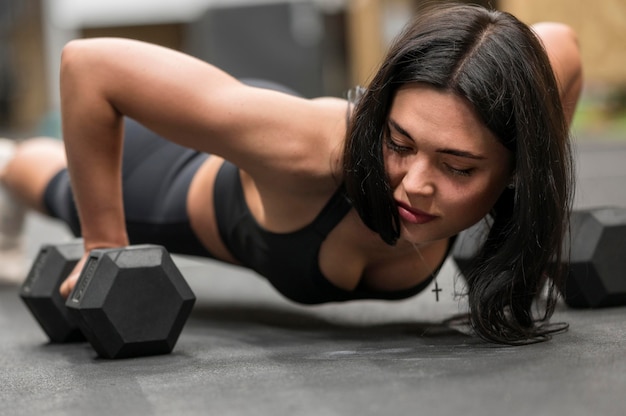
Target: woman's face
445	166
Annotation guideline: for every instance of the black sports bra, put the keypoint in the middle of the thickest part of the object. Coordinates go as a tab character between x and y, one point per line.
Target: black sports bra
289	261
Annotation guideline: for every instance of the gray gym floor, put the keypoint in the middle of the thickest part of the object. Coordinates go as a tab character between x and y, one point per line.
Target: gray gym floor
246	351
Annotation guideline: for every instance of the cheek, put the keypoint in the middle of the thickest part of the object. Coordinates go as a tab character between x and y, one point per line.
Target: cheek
392	169
467	206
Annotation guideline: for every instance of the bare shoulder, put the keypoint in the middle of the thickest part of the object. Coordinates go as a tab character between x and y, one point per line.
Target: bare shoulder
287	138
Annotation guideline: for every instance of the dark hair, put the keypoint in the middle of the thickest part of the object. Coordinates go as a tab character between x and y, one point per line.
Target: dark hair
498	64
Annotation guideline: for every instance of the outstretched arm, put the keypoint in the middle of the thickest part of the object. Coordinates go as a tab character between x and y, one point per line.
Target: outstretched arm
103	80
562	47
181	98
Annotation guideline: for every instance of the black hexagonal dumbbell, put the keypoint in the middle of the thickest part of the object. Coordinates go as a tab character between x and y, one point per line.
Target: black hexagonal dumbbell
40	290
595	251
467	244
131	301
597	272
127	302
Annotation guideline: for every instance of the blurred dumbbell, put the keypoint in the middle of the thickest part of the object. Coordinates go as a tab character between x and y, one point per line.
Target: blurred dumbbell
40	290
127	302
595	250
597	272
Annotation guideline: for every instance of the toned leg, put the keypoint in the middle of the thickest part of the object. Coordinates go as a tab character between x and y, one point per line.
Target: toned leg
35	162
561	44
25	170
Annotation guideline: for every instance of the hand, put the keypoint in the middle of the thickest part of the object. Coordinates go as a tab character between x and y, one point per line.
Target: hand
70	282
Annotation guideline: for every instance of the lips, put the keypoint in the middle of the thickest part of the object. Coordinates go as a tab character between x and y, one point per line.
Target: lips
412	215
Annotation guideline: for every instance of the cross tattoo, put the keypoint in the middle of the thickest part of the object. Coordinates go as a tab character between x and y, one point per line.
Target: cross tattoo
437	290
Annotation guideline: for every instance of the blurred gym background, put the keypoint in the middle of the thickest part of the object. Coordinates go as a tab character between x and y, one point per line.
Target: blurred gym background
318	47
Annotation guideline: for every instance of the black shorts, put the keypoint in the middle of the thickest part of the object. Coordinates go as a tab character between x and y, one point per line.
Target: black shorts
156	175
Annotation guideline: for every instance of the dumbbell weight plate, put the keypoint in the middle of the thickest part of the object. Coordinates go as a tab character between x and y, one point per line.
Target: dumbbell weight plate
40	290
131	301
468	243
597	258
594	253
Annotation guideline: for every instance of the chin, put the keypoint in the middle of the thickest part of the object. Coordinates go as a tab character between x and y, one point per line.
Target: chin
420	237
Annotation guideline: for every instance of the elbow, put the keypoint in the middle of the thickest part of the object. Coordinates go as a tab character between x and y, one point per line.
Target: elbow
563	48
83	68
71	53
73	64
76	54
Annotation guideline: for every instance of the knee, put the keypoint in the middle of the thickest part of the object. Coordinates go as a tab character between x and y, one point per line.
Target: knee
40	153
33	164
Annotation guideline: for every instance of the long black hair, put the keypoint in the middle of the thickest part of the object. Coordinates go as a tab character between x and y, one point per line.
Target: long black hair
498	64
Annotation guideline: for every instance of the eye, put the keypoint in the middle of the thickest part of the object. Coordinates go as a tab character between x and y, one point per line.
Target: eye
395	147
399	145
459	172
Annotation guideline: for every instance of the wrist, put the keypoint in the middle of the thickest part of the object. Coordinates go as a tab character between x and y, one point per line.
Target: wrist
91	243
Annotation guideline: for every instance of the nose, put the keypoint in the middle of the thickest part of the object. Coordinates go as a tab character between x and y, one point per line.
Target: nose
419	179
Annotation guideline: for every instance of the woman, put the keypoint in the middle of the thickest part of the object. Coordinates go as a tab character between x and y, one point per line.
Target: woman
330	200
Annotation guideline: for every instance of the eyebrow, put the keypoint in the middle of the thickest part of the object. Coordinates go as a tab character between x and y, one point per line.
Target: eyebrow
448	151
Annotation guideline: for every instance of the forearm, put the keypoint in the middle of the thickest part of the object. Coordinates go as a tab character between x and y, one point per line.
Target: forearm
92	130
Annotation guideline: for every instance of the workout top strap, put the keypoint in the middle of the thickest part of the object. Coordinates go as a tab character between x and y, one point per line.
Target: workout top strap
333	212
